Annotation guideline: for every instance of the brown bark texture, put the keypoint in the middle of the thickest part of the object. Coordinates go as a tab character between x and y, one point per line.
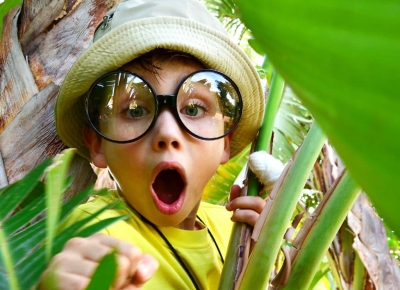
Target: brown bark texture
41	39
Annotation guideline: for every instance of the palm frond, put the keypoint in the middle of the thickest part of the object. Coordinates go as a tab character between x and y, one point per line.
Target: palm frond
27	241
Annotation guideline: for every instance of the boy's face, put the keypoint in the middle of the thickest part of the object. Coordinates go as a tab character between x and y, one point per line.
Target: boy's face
163	174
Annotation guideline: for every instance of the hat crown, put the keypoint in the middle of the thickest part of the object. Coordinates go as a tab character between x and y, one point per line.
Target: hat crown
132	10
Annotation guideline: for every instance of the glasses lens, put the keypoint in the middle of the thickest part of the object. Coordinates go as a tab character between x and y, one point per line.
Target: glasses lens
209	104
121	106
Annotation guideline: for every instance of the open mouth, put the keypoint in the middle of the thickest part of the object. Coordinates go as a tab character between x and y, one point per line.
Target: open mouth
168	186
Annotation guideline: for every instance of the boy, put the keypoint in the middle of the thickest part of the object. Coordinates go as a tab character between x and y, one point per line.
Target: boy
159	96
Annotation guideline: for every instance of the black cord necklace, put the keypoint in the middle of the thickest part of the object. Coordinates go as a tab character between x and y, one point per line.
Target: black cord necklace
176	253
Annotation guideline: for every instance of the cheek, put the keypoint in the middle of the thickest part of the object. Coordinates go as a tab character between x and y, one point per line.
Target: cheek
123	161
209	159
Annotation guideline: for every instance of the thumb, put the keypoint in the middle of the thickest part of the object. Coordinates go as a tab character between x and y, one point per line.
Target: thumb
266	168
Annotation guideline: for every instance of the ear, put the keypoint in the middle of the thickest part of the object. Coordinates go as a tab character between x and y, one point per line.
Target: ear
93	142
227	148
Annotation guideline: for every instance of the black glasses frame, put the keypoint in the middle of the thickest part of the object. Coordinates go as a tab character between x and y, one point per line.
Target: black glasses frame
165	100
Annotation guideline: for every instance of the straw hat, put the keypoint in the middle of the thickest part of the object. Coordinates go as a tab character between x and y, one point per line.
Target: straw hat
134	27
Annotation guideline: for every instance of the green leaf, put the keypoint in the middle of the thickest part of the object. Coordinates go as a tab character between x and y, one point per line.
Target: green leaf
77	200
341	58
24	240
12	195
29	269
218	188
104	275
78	228
23	218
256	46
55	186
6	259
322	271
30	238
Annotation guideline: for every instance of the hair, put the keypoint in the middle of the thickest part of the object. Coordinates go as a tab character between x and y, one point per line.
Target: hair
153	60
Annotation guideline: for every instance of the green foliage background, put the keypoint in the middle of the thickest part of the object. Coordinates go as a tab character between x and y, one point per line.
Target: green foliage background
342	60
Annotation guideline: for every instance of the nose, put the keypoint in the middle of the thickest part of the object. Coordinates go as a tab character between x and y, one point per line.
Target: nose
167	133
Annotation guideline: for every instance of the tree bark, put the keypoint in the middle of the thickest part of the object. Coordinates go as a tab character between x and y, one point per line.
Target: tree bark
41	40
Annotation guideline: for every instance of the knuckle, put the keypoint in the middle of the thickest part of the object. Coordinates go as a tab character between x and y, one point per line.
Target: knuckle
77	283
58	258
247	214
74	242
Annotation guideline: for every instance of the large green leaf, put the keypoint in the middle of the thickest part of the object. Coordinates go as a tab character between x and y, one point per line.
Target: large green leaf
342	60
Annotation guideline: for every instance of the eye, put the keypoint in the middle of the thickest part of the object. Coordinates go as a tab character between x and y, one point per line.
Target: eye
193	110
136	111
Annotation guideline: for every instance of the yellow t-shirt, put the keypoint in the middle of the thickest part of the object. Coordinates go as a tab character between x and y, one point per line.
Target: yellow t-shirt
195	248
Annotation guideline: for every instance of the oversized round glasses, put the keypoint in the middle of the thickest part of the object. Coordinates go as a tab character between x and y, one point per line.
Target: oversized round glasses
122	106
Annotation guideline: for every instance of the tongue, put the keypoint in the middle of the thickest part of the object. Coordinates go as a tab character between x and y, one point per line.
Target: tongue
168	186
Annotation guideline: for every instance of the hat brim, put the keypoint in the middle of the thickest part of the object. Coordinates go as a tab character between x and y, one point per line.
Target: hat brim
127	42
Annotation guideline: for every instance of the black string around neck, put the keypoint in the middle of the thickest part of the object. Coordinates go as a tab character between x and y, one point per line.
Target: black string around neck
176	253
212	237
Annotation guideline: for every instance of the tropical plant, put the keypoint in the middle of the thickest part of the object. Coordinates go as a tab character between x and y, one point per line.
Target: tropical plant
341	60
30	215
295	36
338	256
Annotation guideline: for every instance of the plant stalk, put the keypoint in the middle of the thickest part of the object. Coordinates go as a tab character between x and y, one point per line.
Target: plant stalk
325	223
359	273
275	220
234	257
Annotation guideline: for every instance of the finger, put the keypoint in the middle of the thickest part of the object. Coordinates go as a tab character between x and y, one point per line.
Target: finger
73	263
235	192
95	247
123	248
134	268
52	279
247	216
146	268
128	258
126	270
254	203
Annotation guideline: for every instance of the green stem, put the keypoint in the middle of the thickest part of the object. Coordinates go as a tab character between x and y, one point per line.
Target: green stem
271	109
230	269
268	68
8	263
359	273
334	270
262	260
325	223
265	133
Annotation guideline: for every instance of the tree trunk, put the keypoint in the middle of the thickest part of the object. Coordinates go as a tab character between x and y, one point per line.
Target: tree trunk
41	39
